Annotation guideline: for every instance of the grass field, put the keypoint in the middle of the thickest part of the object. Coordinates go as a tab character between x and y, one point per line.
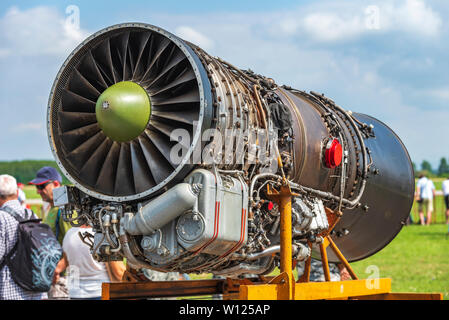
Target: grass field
30	192
417	260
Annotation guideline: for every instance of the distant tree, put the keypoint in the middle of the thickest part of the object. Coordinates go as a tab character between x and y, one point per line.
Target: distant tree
426	166
443	168
25	170
414	168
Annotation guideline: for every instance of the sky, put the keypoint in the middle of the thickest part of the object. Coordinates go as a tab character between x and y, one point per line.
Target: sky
388	59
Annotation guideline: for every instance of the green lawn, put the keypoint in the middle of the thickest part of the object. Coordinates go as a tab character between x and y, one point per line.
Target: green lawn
30	192
417	260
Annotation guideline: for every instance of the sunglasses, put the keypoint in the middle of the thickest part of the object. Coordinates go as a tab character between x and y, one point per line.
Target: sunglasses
42	186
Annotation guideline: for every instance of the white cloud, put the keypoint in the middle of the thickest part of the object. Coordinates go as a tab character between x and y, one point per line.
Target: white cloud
332	27
38	31
4	53
413	16
28	126
338	21
192	35
441	93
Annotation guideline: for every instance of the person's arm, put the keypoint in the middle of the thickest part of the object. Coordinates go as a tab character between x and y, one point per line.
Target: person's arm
433	190
116	270
60	267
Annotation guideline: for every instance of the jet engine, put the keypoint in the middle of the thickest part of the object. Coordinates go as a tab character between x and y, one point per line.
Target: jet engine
172	152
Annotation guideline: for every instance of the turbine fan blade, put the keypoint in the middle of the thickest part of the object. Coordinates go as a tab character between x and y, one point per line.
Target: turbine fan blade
124	184
143	179
83	87
162	46
75	120
186	77
106	177
92	166
102	54
180	57
81	154
159	167
186	117
188	97
89	69
162	144
74	138
142	48
72	102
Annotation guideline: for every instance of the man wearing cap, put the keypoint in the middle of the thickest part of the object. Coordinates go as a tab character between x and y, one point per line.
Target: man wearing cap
48	178
9	235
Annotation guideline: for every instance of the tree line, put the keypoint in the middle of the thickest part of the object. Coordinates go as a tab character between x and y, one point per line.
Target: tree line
24	171
426	168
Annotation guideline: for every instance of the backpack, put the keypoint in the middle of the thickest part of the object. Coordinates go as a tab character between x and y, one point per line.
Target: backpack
33	259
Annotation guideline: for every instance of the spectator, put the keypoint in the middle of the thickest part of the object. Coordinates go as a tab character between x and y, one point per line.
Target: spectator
154	275
317	272
445	187
9	290
425	192
48	178
22	197
86	275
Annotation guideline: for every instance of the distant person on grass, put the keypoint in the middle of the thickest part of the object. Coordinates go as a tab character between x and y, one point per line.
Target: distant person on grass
445	187
48	178
425	193
9	290
22	197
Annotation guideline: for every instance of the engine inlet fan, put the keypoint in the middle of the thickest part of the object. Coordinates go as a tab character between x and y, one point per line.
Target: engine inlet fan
114	104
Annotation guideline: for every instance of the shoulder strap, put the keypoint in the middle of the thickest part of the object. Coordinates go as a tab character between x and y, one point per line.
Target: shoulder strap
13	214
58	215
9	255
28	214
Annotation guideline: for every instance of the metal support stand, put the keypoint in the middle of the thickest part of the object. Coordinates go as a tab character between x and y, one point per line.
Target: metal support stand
285	280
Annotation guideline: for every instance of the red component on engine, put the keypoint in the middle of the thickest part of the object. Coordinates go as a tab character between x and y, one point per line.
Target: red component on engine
334	153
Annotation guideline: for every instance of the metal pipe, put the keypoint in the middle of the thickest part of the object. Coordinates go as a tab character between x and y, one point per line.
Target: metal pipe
325	262
259	176
130	258
342	258
244	268
296	248
161	210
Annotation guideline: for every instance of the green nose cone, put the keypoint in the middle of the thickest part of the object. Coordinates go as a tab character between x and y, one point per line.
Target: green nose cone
123	111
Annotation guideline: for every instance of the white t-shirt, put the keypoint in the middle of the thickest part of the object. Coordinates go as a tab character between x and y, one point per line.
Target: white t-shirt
426	186
445	187
85	275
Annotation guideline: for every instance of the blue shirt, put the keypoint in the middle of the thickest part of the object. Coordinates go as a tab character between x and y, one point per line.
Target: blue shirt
9	290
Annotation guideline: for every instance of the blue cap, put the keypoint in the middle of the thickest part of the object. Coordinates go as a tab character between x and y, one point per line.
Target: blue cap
46	174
